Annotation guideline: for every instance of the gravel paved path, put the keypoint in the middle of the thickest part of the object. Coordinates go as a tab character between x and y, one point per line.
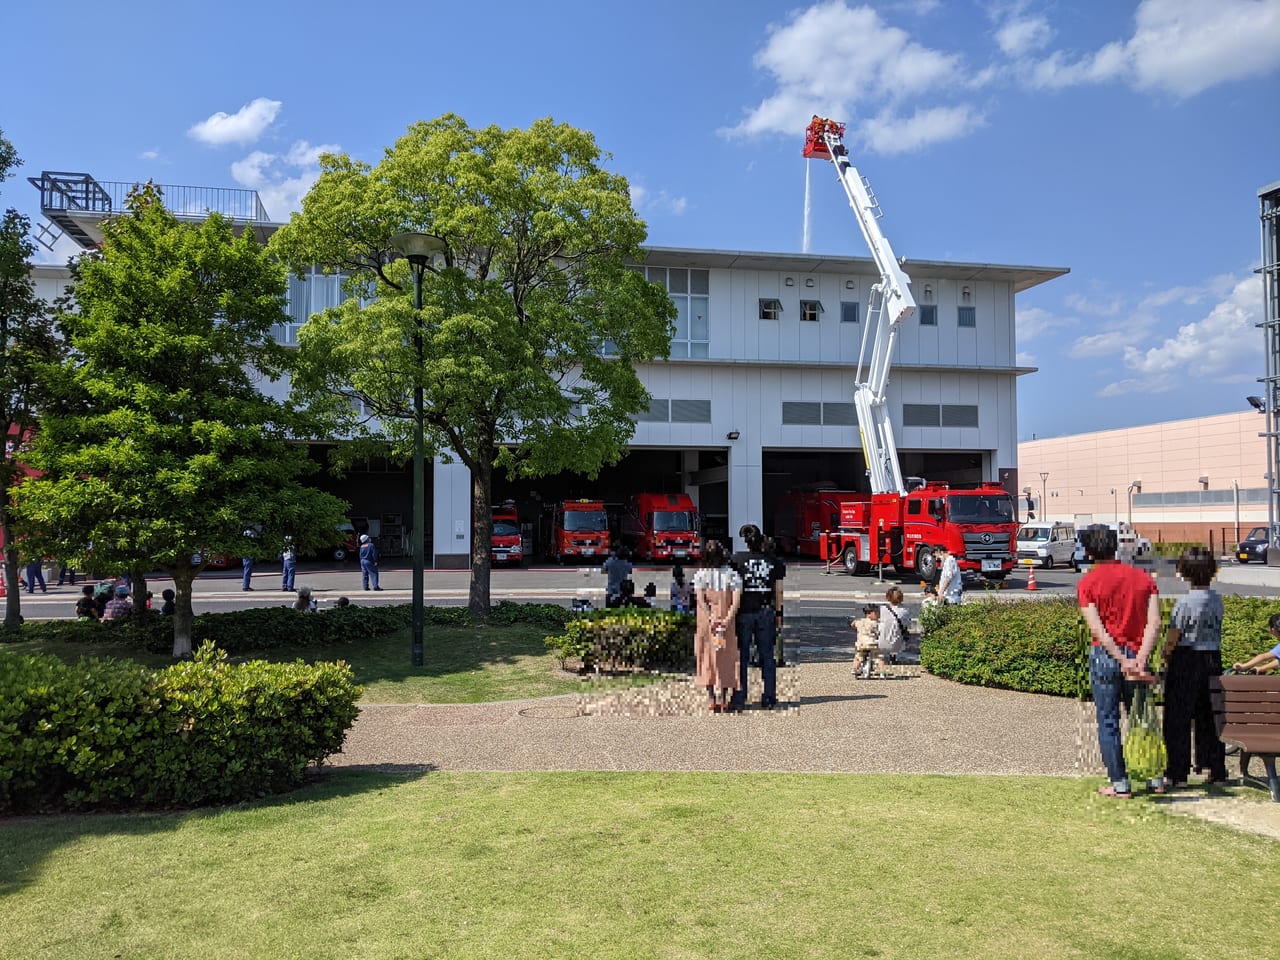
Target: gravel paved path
829	722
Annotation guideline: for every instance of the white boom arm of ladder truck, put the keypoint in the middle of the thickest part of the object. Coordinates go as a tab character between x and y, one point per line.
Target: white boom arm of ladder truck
891	303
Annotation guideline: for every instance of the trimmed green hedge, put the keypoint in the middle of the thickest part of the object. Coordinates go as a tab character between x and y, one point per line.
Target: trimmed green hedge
108	733
1029	645
264	628
1041	646
626	639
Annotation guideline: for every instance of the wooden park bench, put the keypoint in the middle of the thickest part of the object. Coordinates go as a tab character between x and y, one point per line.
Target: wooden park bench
1247	712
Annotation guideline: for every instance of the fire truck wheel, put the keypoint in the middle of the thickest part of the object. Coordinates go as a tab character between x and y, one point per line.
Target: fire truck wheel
926	563
850	558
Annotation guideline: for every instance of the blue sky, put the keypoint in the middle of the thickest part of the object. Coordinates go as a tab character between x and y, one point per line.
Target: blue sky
1124	140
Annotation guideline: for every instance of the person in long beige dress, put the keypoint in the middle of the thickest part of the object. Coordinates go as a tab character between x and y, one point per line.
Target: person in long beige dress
718	591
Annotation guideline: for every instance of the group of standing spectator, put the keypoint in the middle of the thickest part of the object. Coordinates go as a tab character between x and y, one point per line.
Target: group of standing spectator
739	602
1121	607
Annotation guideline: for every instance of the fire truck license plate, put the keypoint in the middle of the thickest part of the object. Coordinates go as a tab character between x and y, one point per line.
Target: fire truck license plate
680	553
588	551
990	566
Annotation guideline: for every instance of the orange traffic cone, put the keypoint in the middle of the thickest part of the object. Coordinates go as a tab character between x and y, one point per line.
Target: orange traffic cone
1031	579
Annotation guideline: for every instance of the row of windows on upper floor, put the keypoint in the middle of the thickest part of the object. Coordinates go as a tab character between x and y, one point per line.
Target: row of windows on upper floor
689	290
850	312
806	413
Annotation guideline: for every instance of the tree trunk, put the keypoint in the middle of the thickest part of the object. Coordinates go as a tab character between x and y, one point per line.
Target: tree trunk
481	535
138	580
183	616
13	599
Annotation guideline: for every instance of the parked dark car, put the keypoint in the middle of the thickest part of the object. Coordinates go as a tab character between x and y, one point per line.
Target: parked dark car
1254	546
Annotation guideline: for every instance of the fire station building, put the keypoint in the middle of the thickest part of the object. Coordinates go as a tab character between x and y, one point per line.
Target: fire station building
755	400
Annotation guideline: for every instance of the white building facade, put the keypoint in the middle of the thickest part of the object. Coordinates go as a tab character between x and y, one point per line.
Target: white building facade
757	396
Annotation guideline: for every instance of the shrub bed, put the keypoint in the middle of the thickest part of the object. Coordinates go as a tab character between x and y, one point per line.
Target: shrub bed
1041	646
265	628
107	733
626	639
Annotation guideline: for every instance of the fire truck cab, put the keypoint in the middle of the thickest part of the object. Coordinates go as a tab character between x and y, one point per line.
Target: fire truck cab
576	529
506	545
662	526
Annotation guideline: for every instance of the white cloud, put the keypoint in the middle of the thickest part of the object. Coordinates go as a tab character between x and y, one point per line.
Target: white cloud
1019	36
1178	46
1223	346
1094	306
282	180
1024	359
244	126
1034	321
1109	343
643	199
149	155
889	134
832	59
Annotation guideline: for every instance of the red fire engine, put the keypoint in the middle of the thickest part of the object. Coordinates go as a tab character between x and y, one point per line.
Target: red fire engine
506	545
893	524
662	526
575	529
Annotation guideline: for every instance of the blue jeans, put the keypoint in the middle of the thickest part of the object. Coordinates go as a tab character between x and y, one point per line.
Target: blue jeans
288	570
1110	689
247	564
369	571
760	625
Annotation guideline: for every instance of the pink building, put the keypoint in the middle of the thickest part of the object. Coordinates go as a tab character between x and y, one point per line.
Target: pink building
1200	480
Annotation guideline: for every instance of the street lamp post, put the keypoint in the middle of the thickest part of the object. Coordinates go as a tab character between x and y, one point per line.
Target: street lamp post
1044	483
417	248
1115	503
1135	486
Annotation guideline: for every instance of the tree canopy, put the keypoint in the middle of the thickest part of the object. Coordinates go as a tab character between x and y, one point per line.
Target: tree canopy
533	318
161	443
26	343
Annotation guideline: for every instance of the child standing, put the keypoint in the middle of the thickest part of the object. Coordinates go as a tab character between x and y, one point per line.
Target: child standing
681	590
1193	653
867	644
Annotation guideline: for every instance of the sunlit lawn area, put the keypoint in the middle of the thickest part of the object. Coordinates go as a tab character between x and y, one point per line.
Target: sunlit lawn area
468	664
642	865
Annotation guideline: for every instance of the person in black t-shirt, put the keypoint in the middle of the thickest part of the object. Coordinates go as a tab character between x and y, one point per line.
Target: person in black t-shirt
760	615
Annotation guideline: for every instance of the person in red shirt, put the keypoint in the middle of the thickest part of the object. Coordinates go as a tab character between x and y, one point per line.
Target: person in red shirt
1121	607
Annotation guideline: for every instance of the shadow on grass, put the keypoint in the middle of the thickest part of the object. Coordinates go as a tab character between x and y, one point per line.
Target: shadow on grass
26	842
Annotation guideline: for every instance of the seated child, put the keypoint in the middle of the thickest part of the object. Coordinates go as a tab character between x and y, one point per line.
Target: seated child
867	644
170	603
1268	660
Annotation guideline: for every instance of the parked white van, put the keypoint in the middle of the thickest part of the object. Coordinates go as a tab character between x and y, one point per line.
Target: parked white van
1046	544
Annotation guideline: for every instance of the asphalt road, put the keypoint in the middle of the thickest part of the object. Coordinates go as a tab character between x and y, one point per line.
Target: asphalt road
810	591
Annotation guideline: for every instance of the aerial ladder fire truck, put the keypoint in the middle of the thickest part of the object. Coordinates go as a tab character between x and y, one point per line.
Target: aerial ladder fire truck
896	525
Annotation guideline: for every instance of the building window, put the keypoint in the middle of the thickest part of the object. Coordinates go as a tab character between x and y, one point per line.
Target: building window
801	414
810	310
967	316
770	309
690	411
313	292
959	415
658	411
675	411
928	315
690	292
848	311
839	415
921	415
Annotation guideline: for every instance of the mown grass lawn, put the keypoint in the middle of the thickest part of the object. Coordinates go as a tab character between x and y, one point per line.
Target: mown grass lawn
642	865
465	664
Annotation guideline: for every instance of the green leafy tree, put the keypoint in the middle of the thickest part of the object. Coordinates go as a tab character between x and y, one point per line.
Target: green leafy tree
161	444
26	344
532	319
